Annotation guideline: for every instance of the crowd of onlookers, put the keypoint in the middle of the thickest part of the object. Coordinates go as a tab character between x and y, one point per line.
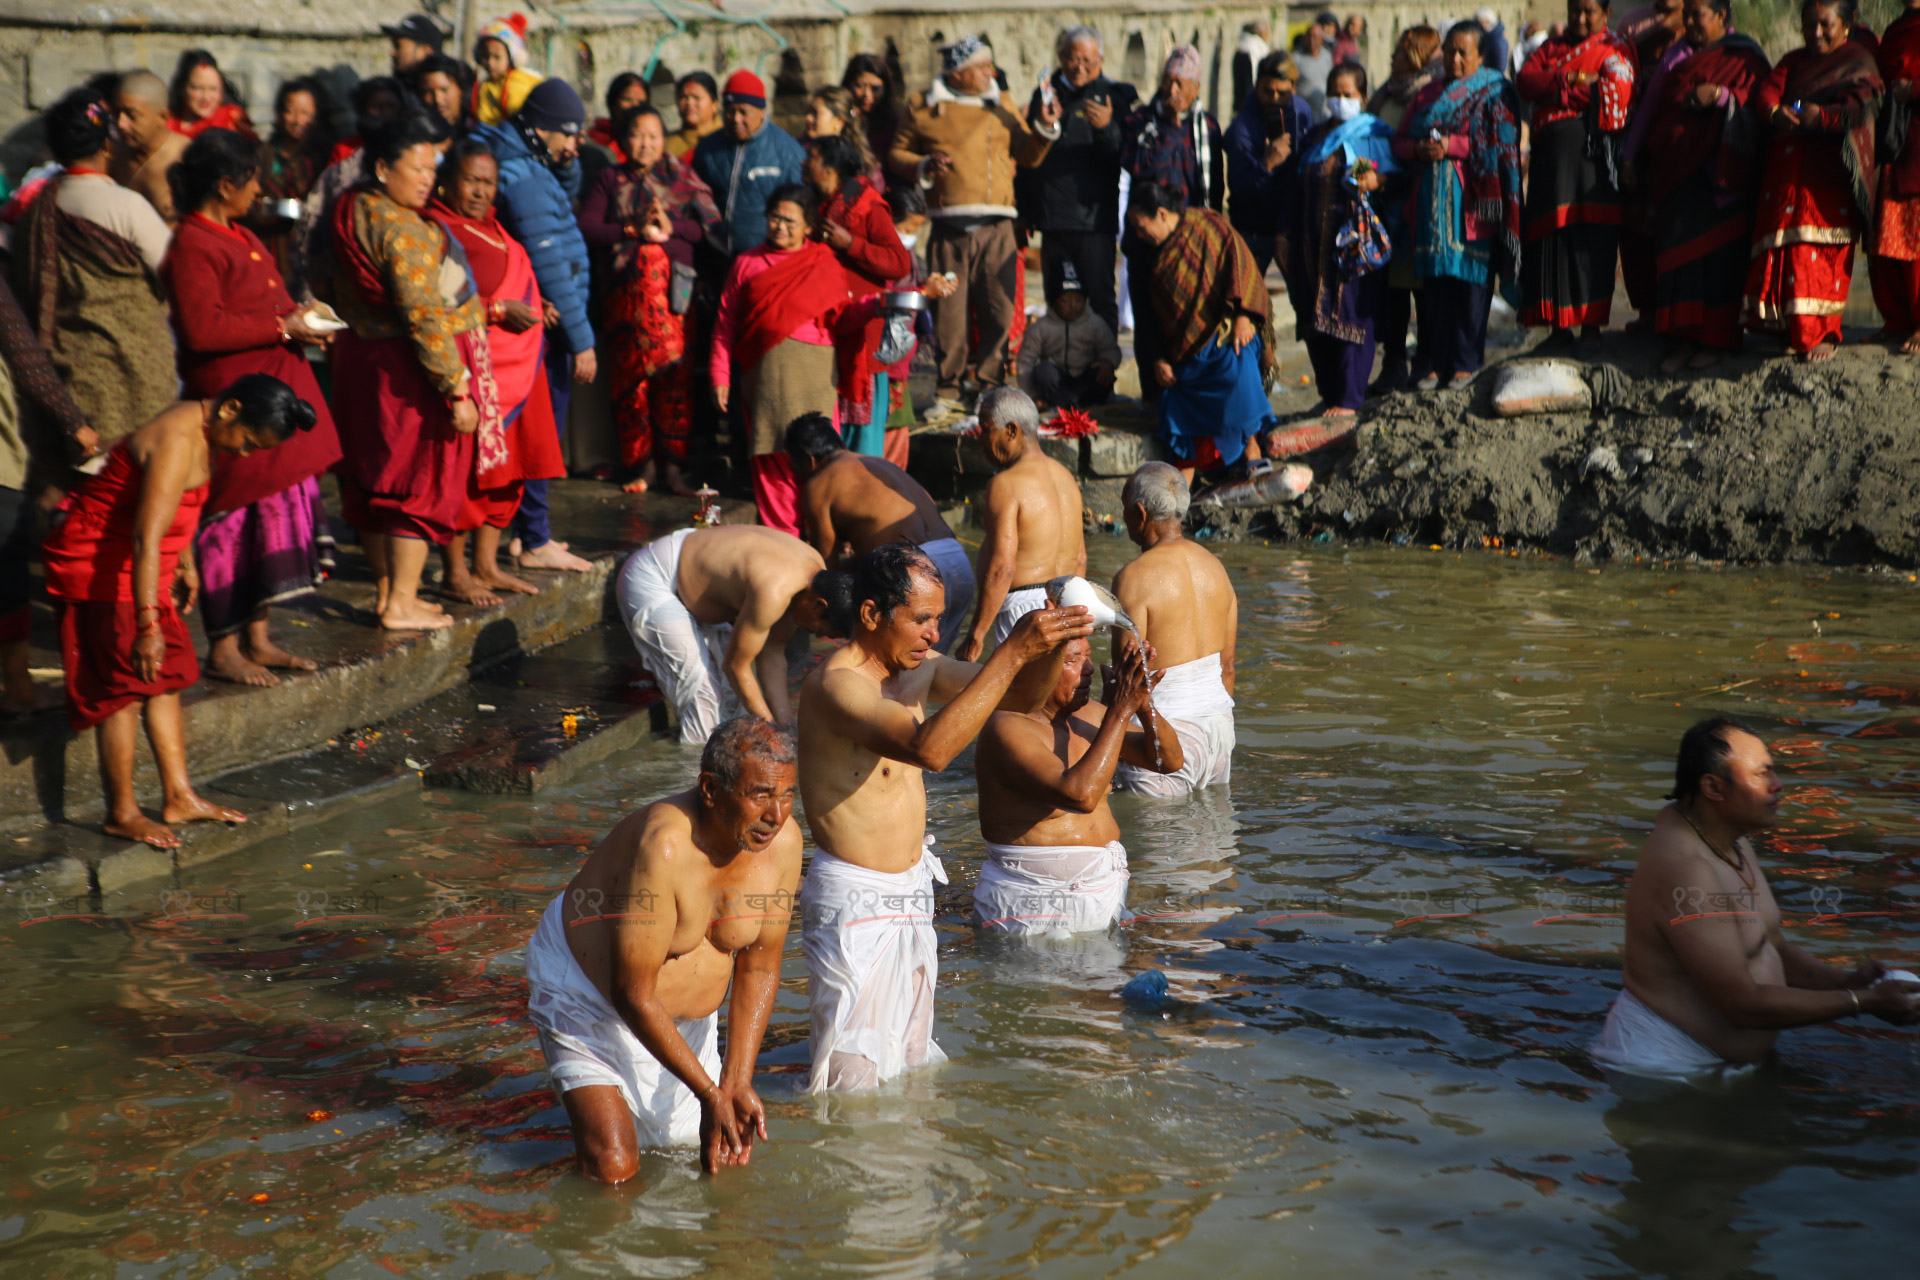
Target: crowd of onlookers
439	276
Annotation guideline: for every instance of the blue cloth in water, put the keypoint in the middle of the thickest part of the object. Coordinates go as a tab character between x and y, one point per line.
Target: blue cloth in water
1216	392
1147	991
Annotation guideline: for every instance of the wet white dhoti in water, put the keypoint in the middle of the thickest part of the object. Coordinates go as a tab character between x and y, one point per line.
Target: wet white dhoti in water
872	958
1073	888
1020	602
685	657
1640	1042
1196	703
587	1042
956	575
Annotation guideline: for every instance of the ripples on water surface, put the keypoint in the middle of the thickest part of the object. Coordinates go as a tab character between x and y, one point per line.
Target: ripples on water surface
1392	938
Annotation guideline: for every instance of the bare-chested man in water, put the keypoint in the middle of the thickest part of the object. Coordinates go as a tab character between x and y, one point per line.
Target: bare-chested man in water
852	500
1710	981
1044	767
148	146
1179	596
1031	515
628	967
710	611
865	738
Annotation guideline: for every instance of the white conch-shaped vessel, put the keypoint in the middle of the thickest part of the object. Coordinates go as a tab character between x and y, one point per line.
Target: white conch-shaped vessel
1074	590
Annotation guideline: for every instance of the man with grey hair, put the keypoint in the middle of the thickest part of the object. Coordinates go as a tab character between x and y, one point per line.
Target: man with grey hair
1072	197
1031	521
1180	597
628	966
148	148
960	141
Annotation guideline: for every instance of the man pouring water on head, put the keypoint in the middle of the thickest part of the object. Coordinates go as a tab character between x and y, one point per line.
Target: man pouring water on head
865	741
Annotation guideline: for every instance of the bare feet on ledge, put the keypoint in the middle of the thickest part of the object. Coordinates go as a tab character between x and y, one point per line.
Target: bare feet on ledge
468	589
552	556
500	580
232	665
1911	347
143	830
636	485
1823	351
414	615
191	808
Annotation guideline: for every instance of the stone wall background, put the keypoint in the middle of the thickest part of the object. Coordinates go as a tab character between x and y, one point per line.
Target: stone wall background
48	46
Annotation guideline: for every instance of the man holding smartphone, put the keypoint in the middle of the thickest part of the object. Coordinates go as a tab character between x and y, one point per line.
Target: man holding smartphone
1072	198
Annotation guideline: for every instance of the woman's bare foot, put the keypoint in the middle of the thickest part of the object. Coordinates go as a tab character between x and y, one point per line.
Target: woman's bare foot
272	656
414	615
1823	350
226	662
1337	412
143	830
554	556
1911	347
636	485
191	808
676	483
500	580
467	588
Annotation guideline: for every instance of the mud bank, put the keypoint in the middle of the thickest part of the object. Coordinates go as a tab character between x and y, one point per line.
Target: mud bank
1762	459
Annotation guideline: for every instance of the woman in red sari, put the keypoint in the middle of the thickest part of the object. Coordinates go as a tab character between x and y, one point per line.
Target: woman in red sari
649	214
774	336
1581	87
1893	260
120	571
201	98
413	389
516	347
857	225
1816	198
261	529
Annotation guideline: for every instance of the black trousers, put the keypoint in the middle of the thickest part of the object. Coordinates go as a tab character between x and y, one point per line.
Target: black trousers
1095	257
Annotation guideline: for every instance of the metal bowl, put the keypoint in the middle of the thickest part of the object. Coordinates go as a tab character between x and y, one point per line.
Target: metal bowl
903	300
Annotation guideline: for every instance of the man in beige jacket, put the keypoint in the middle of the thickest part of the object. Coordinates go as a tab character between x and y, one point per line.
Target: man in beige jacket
961	141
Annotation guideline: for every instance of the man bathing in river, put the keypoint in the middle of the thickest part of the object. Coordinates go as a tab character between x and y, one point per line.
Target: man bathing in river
1044	767
861	502
1710	982
867	905
1031	517
711	610
627	969
1179	595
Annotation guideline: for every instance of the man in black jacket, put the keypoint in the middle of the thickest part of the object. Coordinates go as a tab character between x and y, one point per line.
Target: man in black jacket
1072	198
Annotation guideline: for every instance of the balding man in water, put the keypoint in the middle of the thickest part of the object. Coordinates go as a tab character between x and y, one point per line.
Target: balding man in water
1031	516
860	502
1710	982
148	148
1044	767
1179	595
711	611
627	969
865	741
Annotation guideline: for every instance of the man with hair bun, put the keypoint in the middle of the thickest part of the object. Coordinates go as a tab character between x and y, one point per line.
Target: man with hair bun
683	906
1179	596
866	741
710	611
1709	980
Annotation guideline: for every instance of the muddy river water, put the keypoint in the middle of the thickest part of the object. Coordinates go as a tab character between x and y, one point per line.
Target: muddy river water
1392	938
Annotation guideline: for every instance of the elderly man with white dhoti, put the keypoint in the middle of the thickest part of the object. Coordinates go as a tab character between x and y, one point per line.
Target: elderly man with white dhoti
1044	766
1180	598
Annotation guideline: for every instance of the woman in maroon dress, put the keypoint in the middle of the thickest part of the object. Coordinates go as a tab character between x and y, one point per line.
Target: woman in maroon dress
260	538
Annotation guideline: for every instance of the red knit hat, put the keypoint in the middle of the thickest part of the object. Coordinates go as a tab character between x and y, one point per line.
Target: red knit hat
745	89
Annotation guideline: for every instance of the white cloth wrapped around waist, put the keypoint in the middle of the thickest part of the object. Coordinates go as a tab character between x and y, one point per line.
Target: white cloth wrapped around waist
1020	602
872	962
587	1042
1072	888
1638	1041
1193	691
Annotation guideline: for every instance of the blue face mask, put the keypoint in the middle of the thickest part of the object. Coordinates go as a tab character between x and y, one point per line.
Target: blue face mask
1343	109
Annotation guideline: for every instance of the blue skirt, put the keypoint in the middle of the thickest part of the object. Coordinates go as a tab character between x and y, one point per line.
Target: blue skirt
1216	393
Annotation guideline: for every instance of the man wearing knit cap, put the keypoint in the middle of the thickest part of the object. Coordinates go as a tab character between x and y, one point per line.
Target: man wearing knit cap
744	163
538	153
961	141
